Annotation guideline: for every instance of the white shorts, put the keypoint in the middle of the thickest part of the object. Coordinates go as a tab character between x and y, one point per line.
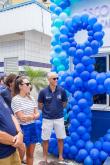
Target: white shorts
49	124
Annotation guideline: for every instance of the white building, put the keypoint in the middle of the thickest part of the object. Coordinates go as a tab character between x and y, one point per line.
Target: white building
25	34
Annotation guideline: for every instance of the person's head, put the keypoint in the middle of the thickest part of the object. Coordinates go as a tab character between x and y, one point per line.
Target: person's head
52	78
22	84
9	81
1	80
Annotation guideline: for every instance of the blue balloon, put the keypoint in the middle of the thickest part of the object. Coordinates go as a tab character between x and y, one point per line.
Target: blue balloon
103	155
57	48
76	109
69	81
56	61
81	130
73	150
86	60
98	36
92	20
80	144
107	84
92	84
89	145
100	78
64	29
88	51
97	27
82	154
85	75
78	95
75	123
88	161
106	146
84	18
52	7
82	103
68	22
63	38
72	51
81	117
94	153
80	67
74	136
78	82
58	10
66	46
66	148
63	16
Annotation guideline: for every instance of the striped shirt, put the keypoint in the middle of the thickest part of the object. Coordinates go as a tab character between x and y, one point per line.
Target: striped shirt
25	104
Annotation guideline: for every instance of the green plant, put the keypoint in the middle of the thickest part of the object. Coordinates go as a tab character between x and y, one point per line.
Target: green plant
37	77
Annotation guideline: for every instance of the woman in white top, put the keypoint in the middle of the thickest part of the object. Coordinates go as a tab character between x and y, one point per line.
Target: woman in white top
25	109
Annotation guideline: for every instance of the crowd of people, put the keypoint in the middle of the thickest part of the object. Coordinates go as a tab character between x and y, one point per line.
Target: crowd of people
19	112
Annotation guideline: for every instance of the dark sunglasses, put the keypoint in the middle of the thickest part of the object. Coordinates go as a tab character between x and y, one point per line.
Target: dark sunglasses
56	78
26	84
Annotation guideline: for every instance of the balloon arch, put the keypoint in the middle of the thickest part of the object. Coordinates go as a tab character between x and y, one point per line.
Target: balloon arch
82	83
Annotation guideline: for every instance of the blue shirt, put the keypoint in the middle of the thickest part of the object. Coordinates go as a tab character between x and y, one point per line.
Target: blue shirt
6	94
6	125
52	102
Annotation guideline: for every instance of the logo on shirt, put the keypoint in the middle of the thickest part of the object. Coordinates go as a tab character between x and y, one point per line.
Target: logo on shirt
59	96
48	97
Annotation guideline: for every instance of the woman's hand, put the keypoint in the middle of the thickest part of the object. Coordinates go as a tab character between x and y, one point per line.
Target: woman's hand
36	115
18	140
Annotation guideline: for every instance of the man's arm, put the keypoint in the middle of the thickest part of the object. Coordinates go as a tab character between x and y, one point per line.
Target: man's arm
19	137
6	138
40	105
18	128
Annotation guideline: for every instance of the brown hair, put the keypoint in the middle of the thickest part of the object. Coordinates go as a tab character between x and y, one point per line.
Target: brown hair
9	79
18	81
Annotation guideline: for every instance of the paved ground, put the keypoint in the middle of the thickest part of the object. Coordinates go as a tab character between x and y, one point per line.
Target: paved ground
38	156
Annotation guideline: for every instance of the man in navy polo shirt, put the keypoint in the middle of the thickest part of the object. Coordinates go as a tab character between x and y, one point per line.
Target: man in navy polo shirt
10	137
52	101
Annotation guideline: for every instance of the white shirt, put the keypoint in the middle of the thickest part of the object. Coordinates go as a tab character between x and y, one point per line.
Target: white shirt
25	104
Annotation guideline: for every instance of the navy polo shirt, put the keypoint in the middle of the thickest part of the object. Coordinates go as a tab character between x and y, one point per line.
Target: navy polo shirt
6	94
52	102
6	125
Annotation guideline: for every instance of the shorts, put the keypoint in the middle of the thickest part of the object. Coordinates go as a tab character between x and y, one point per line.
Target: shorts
49	124
13	159
30	134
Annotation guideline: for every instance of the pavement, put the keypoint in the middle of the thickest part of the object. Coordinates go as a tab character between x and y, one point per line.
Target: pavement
38	156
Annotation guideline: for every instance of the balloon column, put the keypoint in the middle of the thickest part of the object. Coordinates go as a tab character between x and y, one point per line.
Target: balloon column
82	83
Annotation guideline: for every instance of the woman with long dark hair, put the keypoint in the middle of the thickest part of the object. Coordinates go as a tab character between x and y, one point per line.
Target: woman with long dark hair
25	109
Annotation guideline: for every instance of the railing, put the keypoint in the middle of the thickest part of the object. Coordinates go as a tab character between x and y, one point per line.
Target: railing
13	6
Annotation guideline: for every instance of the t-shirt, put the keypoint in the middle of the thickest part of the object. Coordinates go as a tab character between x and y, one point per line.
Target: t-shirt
52	102
25	104
6	125
6	94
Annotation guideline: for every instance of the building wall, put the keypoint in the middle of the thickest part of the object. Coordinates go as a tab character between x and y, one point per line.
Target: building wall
25	17
37	47
12	45
32	48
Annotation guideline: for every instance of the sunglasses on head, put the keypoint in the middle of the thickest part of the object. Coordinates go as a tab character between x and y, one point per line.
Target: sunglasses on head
56	78
26	84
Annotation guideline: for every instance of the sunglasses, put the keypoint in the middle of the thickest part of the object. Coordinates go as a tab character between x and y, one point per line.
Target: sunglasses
56	78
26	84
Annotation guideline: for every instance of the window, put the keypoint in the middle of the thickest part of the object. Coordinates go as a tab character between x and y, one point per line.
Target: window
100	66
11	65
